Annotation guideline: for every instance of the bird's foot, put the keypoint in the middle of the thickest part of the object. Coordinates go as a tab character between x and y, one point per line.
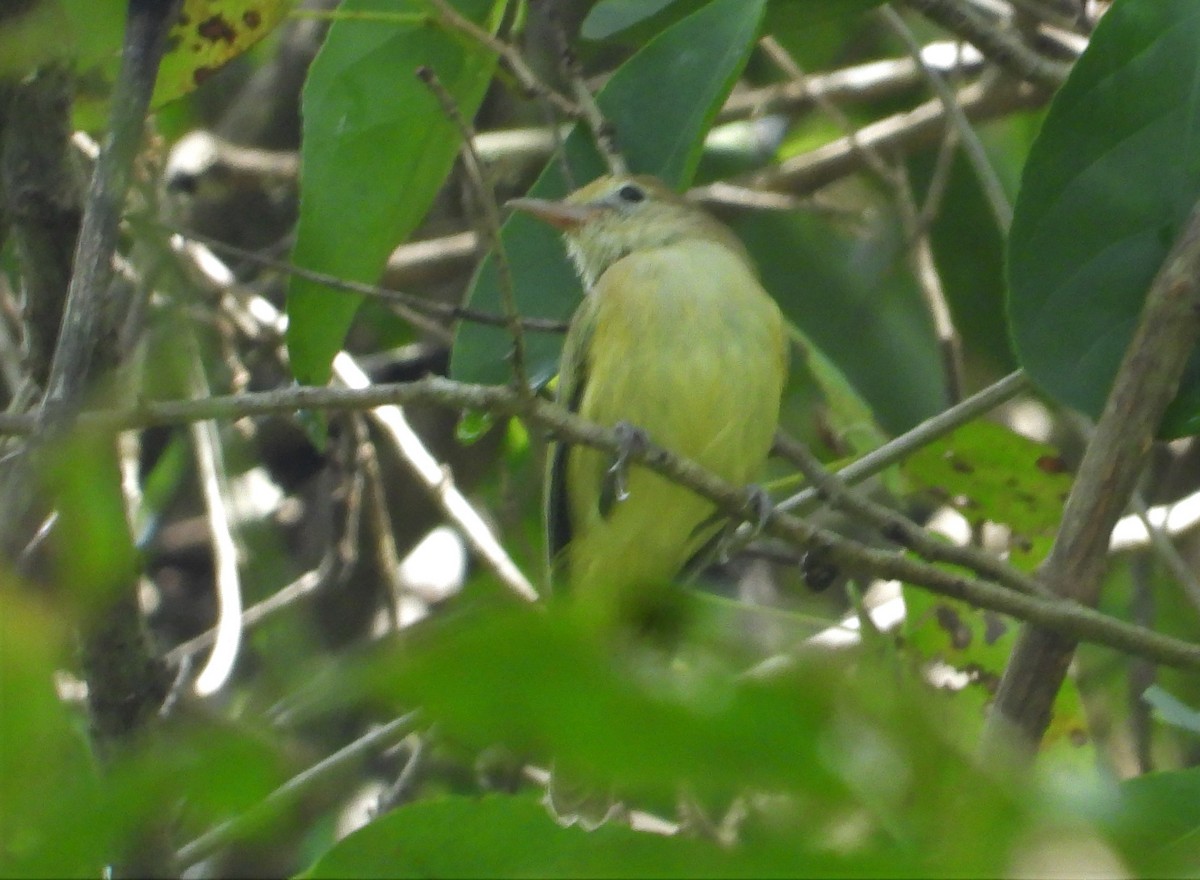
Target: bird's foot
731	539
631	440
760	501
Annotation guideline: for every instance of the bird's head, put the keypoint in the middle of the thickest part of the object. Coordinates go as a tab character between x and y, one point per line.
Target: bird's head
616	215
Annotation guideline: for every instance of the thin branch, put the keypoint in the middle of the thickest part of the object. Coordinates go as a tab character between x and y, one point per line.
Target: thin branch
340	762
603	133
933	294
900	448
920	253
379	519
302	587
210	468
532	84
867	82
1068	618
989	181
436	478
900	529
1001	46
456	243
491	224
1168	553
920	127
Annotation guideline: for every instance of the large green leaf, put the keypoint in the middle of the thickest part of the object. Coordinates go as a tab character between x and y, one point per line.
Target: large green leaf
1107	188
661	103
610	17
1157	819
377	147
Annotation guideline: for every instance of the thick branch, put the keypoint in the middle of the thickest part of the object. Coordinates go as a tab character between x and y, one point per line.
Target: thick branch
42	201
1146	383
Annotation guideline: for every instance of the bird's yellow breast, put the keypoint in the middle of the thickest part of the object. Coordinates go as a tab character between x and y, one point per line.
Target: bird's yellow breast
687	346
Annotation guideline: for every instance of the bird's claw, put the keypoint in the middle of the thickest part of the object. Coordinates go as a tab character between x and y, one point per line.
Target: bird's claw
731	539
630	441
763	507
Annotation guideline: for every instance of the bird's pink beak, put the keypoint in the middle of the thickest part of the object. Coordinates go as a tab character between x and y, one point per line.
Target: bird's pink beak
560	215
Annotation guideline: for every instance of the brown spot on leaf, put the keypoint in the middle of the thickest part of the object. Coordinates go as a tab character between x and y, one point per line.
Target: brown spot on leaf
1078	737
251	19
960	466
1051	464
949	620
216	28
200	74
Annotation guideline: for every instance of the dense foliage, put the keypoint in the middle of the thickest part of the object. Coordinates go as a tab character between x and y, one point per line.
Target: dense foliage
273	595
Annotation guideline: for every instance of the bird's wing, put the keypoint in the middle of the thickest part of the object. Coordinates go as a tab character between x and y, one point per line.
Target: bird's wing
572	379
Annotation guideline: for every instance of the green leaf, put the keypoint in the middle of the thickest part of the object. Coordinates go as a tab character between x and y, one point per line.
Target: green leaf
548	685
815	31
1157	818
206	35
609	17
210	33
377	148
1108	186
44	762
992	474
857	311
95	554
660	132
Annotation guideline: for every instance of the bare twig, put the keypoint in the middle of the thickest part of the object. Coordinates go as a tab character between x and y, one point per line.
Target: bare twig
382	536
899	528
430	473
302	587
919	127
210	467
340	762
603	133
1168	553
532	84
863	82
989	181
920	252
456	244
929	282
491	225
896	450
1001	46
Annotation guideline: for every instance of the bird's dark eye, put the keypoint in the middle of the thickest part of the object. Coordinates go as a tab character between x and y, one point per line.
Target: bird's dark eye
631	194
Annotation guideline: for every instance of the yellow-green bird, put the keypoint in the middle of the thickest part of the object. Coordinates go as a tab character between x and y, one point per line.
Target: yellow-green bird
675	337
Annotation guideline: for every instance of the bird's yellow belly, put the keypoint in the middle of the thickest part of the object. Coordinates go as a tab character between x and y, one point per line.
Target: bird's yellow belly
701	373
